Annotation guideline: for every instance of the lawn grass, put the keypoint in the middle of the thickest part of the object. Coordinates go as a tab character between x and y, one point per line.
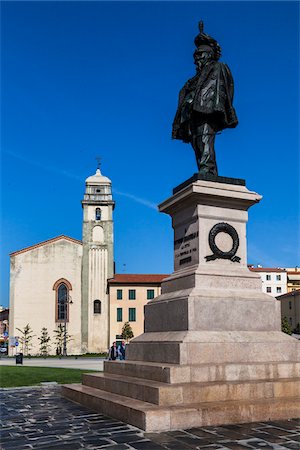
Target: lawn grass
16	376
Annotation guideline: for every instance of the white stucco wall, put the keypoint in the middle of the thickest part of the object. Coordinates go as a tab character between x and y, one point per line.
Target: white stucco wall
276	287
32	298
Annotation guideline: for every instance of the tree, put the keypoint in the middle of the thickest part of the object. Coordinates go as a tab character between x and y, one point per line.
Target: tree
44	342
127	332
285	326
26	339
59	338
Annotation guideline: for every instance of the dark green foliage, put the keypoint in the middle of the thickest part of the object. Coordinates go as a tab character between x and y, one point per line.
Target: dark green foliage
127	332
285	326
59	338
44	342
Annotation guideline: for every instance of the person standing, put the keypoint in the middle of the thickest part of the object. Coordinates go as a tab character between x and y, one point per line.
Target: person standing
113	352
121	351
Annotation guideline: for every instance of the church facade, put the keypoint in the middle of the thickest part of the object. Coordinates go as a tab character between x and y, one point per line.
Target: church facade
63	281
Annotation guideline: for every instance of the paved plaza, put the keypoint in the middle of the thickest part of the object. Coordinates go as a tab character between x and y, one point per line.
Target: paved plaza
39	418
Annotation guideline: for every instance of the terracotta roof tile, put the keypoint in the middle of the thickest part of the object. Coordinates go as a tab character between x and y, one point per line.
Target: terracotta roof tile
49	241
266	269
288	294
129	278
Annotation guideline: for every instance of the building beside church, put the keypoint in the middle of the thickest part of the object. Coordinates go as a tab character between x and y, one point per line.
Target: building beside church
290	308
293	278
64	281
274	280
128	294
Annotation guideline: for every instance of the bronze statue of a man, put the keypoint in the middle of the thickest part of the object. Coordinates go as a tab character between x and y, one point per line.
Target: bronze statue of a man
205	103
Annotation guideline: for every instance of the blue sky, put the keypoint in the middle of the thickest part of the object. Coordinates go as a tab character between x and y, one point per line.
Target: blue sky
81	79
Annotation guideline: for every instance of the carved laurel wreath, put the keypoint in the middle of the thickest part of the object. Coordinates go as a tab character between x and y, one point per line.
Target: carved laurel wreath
217	253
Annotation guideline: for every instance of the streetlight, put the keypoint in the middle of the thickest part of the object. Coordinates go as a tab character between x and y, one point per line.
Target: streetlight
67	300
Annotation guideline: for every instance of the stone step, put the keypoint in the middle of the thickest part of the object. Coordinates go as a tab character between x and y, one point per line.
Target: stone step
195	347
164	394
150	417
174	373
149	391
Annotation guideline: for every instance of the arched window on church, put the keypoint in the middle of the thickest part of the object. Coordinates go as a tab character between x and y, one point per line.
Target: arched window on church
98	214
62	288
62	296
97	307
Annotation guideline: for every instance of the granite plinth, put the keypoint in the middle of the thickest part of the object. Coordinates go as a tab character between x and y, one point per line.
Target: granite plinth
196	347
207	177
212	352
175	373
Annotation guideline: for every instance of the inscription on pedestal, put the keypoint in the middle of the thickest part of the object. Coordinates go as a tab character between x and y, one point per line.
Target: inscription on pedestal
186	250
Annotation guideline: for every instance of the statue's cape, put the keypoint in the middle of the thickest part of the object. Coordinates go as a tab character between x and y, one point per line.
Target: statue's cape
213	96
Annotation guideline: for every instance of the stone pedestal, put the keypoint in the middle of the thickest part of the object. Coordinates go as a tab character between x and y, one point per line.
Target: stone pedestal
212	351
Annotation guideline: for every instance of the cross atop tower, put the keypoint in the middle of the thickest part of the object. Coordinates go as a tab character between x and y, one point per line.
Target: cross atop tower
98	159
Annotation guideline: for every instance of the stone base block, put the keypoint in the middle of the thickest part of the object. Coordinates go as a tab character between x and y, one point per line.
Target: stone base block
172	373
151	417
224	311
204	347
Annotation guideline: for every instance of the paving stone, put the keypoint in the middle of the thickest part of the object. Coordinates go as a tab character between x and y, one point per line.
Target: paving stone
212	447
271	439
161	438
113	447
101	434
292	445
59	446
95	440
257	444
188	440
235	446
279	431
147	445
14	444
294	437
264	436
6	434
228	433
9	439
199	432
175	445
126	438
285	425
129	432
252	426
206	442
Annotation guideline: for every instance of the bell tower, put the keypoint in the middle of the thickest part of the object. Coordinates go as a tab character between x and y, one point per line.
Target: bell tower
97	262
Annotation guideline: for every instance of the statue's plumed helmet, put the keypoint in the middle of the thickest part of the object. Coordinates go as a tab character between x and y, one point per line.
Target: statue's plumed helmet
204	40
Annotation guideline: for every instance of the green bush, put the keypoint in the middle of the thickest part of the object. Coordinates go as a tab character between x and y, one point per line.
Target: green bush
285	326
